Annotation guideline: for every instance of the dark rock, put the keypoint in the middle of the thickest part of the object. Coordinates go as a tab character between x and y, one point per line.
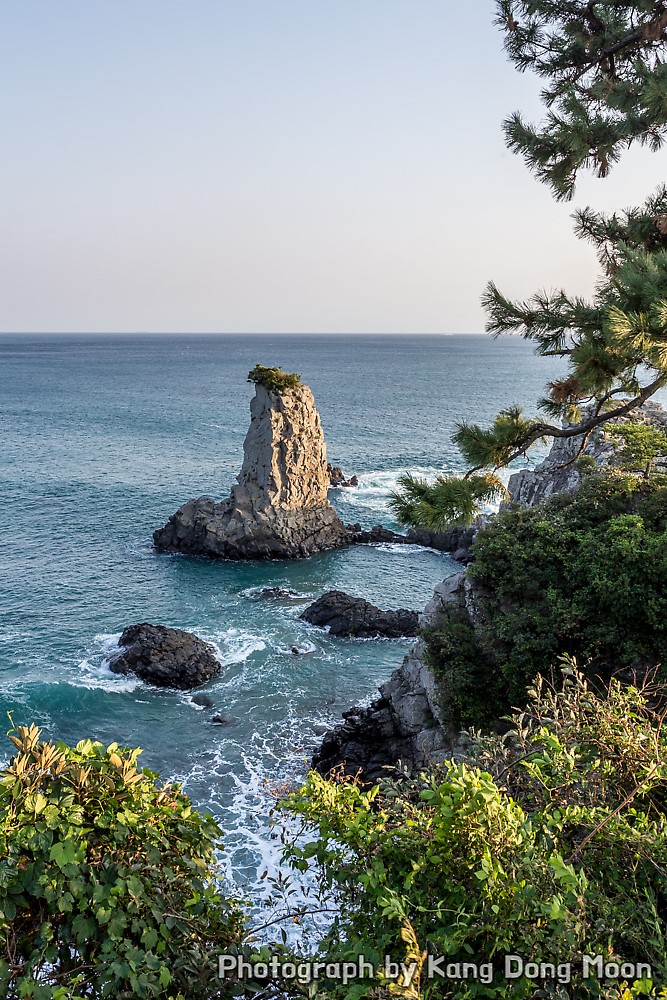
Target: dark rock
338	477
281	594
352	616
403	724
203	700
166	657
457	541
223	720
374	535
367	744
454	540
336	474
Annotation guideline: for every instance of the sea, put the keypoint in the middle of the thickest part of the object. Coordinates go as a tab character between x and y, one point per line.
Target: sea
103	437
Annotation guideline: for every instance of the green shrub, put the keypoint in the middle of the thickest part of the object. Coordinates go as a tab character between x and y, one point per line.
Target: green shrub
642	445
468	688
274	379
582	574
551	843
107	881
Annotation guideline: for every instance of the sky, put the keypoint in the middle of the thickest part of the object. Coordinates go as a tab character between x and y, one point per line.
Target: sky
298	166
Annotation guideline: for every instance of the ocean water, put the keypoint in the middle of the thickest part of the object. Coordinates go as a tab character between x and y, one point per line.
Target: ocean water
102	438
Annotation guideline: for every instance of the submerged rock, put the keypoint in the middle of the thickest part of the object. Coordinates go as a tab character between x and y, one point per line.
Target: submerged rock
203	700
281	594
278	508
166	657
352	616
224	720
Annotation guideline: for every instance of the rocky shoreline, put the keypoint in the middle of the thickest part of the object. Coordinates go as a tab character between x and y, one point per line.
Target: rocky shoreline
279	508
406	723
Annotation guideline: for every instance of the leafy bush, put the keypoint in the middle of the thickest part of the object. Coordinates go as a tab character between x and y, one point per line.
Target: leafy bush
582	574
642	445
467	688
274	379
107	882
551	845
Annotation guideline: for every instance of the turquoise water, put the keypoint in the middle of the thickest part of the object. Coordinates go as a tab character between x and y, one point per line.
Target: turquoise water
104	437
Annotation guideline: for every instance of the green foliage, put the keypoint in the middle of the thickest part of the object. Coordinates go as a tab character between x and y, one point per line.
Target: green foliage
581	574
642	445
606	82
551	845
470	689
492	445
107	882
274	379
605	88
449	500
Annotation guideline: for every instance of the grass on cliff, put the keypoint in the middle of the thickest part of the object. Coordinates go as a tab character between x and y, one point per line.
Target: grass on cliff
274	379
582	574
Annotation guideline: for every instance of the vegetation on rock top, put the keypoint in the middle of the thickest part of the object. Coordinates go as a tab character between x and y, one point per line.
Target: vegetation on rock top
274	379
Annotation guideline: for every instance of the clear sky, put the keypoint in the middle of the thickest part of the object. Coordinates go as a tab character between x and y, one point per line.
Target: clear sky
272	165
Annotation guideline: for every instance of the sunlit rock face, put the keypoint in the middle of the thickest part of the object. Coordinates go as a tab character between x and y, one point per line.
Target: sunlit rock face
278	508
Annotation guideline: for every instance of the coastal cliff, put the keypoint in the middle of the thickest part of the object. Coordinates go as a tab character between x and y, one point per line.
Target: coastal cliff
278	508
412	721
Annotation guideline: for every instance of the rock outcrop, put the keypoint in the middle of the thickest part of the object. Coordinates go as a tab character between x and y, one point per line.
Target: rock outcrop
278	508
456	541
404	723
166	657
338	478
344	615
560	471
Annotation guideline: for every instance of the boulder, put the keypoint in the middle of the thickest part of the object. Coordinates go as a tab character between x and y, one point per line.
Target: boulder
166	657
352	616
336	474
338	478
278	508
280	594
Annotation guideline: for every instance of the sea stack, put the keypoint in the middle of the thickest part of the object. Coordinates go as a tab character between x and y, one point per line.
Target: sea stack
278	508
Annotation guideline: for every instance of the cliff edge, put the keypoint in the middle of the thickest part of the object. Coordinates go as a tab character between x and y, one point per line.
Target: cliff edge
409	720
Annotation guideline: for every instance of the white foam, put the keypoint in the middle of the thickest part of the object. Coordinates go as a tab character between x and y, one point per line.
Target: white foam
259	593
375	487
254	768
234	645
94	672
302	647
100	677
405	548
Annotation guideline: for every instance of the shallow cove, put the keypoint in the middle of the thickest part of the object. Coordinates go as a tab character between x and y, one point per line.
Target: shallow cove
104	437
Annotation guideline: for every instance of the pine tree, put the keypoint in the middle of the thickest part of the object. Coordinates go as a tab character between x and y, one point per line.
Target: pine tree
606	88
